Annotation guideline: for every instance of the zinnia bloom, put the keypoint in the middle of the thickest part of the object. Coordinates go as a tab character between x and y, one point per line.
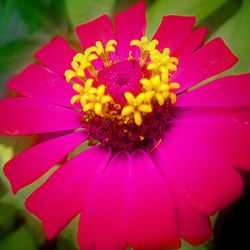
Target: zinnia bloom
162	156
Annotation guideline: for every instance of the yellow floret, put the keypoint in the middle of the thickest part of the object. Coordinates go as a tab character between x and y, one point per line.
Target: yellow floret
136	107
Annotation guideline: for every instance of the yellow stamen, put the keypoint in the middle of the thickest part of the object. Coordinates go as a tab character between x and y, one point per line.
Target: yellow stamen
159	90
156	88
136	106
145	47
162	63
104	52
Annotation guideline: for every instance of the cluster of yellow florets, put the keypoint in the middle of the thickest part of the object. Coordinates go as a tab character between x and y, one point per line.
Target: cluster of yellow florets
157	87
154	89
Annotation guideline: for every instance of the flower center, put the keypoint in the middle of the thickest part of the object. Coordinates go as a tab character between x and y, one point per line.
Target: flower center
121	77
125	104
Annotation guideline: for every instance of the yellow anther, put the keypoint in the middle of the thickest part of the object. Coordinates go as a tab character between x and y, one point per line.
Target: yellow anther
82	91
159	89
98	108
94	99
75	99
69	74
136	106
146	47
90	50
89	106
162	62
160	98
78	88
110	46
89	83
138	118
104	52
144	44
127	110
174	85
80	63
145	108
99	48
172	98
144	40
100	91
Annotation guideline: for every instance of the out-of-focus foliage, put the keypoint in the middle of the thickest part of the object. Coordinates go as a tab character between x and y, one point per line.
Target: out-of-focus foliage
81	11
236	32
25	25
202	9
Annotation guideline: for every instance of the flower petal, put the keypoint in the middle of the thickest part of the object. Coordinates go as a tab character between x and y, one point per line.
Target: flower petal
102	220
60	198
39	82
151	217
36	161
229	91
56	55
224	132
203	177
173	31
192	42
130	25
211	59
194	226
99	29
25	116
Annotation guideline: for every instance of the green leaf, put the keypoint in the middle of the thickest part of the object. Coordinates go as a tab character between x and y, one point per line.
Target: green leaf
3	188
199	8
186	246
5	15
14	52
8	216
36	15
64	243
20	239
236	33
81	11
14	56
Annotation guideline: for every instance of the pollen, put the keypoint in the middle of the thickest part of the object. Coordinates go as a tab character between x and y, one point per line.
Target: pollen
122	98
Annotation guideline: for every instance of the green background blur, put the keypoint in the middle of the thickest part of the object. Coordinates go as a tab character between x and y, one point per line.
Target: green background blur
25	25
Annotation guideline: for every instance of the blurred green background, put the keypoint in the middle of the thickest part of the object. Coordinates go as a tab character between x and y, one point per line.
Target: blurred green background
25	25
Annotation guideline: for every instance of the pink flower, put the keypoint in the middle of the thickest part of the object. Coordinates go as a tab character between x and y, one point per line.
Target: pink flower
162	158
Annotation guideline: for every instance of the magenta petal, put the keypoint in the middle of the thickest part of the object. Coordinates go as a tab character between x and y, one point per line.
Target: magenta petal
225	133
56	55
36	161
194	226
130	25
39	82
60	198
229	91
102	220
211	59
193	41
151	217
173	31
99	29
204	177
25	116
